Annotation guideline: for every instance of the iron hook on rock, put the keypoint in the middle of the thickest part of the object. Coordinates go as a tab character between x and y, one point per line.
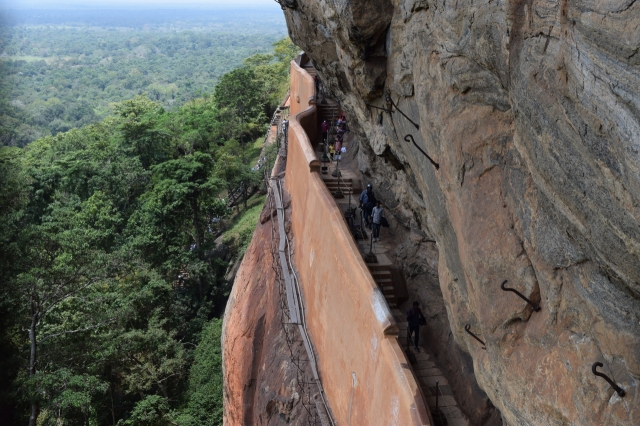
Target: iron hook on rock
409	138
467	328
388	99
377	107
535	307
617	388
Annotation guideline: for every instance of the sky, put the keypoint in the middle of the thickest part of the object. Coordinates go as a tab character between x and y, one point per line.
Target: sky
58	4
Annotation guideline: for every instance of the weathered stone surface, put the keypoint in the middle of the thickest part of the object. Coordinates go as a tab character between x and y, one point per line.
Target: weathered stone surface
260	379
532	110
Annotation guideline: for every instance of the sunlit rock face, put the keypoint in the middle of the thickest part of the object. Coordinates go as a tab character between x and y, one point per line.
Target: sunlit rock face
262	374
532	111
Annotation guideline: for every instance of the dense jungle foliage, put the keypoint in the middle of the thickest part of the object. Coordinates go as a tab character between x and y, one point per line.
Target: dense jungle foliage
62	75
113	267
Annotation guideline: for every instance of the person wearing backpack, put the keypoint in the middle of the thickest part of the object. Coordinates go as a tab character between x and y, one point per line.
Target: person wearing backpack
415	320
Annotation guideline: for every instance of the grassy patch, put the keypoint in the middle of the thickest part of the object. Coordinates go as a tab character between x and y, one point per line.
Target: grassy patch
240	233
252	151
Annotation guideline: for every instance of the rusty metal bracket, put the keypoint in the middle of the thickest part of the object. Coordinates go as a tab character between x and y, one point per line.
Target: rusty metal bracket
377	107
467	328
388	99
535	307
409	138
617	388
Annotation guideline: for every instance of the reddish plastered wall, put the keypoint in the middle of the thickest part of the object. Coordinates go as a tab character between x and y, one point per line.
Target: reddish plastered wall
365	374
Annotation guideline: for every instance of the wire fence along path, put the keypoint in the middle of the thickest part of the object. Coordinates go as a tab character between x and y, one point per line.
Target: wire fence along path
292	311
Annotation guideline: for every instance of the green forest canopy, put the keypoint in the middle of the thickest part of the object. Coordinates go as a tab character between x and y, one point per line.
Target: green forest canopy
113	277
57	74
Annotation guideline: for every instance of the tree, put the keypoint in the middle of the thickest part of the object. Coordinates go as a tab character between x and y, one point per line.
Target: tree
62	271
13	198
139	126
240	94
204	405
108	247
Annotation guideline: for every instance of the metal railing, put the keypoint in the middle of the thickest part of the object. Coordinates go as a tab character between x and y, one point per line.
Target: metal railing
292	313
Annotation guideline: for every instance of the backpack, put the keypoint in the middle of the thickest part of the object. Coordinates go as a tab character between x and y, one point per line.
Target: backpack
421	321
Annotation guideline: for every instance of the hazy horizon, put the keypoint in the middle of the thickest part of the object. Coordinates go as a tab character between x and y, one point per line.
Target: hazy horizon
136	4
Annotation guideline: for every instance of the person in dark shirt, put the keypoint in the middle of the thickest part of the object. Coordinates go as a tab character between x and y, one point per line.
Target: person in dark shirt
325	130
367	201
415	320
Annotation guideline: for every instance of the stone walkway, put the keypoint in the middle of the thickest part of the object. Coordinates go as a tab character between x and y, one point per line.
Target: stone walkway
425	370
428	374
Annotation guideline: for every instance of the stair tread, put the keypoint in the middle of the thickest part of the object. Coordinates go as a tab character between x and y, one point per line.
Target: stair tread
421	356
431	380
428	372
424	365
443	401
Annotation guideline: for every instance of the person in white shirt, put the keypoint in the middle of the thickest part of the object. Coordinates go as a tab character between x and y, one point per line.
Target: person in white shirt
377	214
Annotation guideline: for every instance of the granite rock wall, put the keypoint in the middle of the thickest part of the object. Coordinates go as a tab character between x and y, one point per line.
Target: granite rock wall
532	111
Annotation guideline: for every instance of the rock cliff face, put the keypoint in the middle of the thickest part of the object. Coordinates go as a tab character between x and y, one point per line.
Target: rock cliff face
532	110
264	381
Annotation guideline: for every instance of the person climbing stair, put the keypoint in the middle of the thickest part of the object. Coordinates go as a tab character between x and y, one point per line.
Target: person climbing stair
377	215
415	320
325	130
367	201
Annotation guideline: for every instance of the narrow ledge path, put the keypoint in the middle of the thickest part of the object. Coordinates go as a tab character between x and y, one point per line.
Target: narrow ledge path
344	178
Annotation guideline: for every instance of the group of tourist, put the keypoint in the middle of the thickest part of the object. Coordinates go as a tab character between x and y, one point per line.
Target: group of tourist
373	212
336	146
374	218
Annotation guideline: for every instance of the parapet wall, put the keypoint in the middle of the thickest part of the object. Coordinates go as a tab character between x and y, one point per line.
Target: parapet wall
365	374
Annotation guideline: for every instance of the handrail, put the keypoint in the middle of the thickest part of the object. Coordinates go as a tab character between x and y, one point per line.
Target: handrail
307	149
